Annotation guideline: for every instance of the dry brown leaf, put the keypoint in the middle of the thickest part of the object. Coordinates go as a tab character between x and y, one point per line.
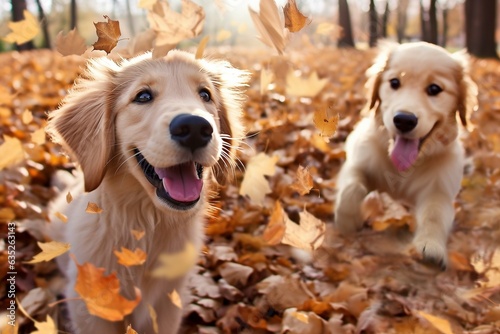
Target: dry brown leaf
325	122
254	184
71	43
49	251
381	211
174	265
154	318
201	47
294	19
23	31
129	258
269	25
439	323
38	137
309	235
235	274
175	298
27	116
102	293
138	235
275	229
304	87
7	214
11	152
303	182
93	208
266	78
130	330
108	34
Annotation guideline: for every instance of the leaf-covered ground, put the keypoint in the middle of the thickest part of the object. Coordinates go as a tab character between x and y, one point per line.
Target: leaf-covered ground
370	283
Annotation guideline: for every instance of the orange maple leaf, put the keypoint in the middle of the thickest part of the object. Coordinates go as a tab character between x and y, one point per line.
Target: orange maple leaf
108	34
294	19
102	293
303	182
129	258
327	125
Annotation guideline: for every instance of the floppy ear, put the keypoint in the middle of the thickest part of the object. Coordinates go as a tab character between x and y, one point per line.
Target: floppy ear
231	83
467	98
374	73
83	124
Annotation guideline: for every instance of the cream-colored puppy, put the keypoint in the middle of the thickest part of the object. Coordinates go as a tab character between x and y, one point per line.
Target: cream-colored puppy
408	145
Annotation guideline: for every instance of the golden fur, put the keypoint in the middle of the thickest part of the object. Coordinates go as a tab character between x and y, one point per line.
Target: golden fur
102	125
430	182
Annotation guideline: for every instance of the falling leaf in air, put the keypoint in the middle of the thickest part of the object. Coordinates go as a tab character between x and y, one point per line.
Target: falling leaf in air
174	265
294	19
71	43
266	78
303	182
146	4
69	197
308	235
223	35
27	116
175	298
201	47
108	34
46	327
254	183
138	235
23	31
129	258
304	87
93	208
130	330
154	318
38	137
269	25
325	28
102	293
49	251
325	122
61	216
439	323
11	152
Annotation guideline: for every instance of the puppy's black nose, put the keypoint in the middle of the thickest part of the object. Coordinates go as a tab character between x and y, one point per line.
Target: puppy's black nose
191	131
405	122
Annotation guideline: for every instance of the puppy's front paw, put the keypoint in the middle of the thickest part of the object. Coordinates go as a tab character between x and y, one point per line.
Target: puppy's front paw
433	252
348	218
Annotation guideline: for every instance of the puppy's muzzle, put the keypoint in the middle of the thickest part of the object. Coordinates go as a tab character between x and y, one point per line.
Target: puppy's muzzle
405	121
190	131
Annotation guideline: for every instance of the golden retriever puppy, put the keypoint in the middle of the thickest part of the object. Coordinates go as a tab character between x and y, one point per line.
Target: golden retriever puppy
146	133
408	145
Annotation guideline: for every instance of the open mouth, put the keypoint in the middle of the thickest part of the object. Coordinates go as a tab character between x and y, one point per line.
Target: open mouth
179	186
405	150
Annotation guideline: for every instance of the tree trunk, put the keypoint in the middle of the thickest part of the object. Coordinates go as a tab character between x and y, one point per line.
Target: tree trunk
73	15
346	39
373	33
18	7
45	25
444	37
428	21
130	18
480	20
385	19
402	19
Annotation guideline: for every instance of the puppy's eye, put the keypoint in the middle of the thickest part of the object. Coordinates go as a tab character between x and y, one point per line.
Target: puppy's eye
205	95
433	90
395	83
143	96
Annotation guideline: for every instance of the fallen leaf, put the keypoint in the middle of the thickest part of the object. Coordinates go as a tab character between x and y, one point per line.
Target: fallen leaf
71	43
254	184
7	214
108	34
304	87
309	234
93	208
154	318
275	229
201	47
269	25
294	19
130	330
138	235
439	323
235	274
303	182
27	116
11	152
266	78
46	327
102	293
175	298
174	265
23	31
301	316
325	123
49	251
38	137
129	258
381	211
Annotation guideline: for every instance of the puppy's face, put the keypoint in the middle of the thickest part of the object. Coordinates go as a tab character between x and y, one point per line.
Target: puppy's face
419	90
164	121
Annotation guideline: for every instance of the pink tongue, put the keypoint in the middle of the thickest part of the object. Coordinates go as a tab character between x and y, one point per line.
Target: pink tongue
404	153
181	182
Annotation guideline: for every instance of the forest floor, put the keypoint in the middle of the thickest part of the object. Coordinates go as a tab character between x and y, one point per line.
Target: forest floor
370	283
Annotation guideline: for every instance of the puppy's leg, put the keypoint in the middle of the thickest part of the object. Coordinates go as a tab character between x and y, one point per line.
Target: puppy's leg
434	214
352	191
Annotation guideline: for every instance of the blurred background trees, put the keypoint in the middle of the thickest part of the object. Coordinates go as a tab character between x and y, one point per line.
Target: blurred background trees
455	24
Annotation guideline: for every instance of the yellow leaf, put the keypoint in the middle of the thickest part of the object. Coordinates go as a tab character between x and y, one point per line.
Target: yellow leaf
101	293
175	298
303	182
11	152
38	137
93	208
254	184
266	77
222	35
146	4
294	19
325	28
108	34
154	318
326	124
304	87
138	235
301	316
440	324
269	25
61	216
49	251
47	327
7	214
308	235
23	31
174	265
69	197
26	116
130	330
70	44
130	258
275	229
201	47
